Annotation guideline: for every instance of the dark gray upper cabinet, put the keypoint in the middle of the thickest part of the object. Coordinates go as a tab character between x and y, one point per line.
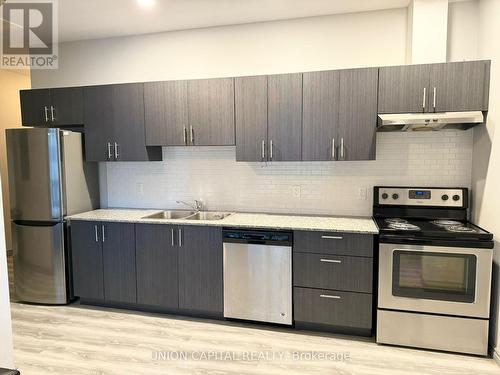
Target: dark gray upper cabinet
157	264
459	86
114	124
200	269
87	262
166	113
357	122
118	249
66	106
52	107
250	98
35	107
211	112
320	115
403	89
285	117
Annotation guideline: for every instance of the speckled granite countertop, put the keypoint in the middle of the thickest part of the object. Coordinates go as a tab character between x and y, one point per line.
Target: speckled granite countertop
242	220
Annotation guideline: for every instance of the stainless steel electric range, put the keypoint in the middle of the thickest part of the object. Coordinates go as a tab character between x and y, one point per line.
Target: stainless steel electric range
434	277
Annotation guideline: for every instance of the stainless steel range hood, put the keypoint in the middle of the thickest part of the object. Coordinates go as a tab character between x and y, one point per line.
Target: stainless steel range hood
429	121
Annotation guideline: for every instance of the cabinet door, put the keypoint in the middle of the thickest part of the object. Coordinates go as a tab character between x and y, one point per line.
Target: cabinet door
87	262
251	118
211	112
357	124
118	248
285	117
67	106
98	120
166	115
128	122
460	86
320	115
200	269
35	107
401	89
157	264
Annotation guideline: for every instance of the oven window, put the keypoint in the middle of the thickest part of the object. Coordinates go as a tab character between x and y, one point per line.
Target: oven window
437	276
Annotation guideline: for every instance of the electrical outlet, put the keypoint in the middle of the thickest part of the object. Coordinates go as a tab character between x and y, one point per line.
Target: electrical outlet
296	191
362	194
140	189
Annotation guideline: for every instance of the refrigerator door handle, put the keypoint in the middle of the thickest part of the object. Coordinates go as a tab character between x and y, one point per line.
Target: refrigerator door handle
103	233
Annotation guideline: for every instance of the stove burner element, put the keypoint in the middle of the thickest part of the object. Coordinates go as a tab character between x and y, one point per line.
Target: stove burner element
403	226
460	229
444	223
396	220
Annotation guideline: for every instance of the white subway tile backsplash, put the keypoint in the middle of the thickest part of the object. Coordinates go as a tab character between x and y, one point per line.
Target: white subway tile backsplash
212	174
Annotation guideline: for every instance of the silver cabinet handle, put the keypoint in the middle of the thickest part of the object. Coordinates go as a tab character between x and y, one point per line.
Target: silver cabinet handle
96	234
263	150
423	98
192	135
180	237
103	233
271	149
342	151
173	241
332	237
330	260
184	133
434	99
109	150
52	117
117	152
46	114
329	296
333	148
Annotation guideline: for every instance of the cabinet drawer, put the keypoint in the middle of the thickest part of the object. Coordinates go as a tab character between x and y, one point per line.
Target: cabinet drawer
352	244
353	274
328	307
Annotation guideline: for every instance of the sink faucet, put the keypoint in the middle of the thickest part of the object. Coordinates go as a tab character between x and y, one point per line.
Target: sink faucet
197	206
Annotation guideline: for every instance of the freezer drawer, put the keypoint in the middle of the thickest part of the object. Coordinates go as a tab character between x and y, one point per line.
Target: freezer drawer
39	263
258	282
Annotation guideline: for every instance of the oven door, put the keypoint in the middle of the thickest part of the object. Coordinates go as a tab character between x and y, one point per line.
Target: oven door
435	279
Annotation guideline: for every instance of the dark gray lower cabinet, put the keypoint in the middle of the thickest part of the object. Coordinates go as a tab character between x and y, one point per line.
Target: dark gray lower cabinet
333	281
157	264
200	269
340	310
86	247
118	248
103	257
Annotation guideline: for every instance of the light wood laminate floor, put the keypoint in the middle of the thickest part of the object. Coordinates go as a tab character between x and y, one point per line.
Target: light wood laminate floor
85	340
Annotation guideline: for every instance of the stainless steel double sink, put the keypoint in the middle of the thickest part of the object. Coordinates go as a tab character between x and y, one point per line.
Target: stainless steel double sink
188	215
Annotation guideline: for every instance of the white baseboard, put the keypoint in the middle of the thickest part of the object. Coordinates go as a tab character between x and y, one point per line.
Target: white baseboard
496	356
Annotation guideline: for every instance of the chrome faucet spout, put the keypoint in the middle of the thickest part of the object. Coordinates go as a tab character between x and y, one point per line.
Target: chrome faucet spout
197	206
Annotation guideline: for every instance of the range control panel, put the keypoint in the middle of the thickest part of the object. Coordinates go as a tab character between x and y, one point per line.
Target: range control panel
433	197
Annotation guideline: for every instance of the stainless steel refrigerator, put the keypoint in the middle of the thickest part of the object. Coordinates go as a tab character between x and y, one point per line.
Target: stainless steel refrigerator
48	180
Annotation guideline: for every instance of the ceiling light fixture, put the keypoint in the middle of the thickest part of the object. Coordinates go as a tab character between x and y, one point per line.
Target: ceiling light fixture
146	3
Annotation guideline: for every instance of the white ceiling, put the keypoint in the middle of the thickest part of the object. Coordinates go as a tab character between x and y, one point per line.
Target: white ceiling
94	19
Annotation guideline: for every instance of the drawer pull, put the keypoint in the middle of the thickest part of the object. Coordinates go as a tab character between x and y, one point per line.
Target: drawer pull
332	237
329	296
331	260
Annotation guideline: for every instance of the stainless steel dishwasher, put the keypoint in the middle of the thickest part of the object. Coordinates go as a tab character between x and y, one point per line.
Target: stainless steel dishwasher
258	275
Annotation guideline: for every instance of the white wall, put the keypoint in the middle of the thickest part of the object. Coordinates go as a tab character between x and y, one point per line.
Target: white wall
463	29
6	355
316	43
486	152
212	174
